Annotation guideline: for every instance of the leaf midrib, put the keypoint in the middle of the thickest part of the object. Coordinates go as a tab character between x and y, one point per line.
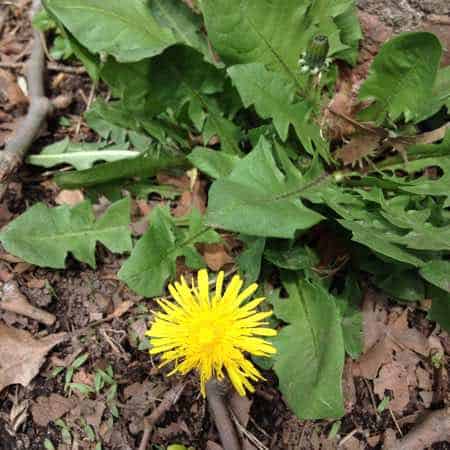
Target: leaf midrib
174	24
61	236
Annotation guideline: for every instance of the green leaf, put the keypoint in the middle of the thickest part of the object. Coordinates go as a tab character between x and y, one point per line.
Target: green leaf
250	259
310	356
440	95
153	259
213	163
80	361
298	257
146	164
244	31
144	189
351	317
440	307
402	285
84	389
437	273
126	30
420	157
79	155
184	23
44	236
273	95
48	444
258	199
402	77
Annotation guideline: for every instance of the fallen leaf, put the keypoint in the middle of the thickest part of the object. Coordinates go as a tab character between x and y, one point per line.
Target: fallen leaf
408	337
36	283
47	409
241	408
195	198
5	214
393	377
91	410
69	197
10	90
216	256
423	379
21	355
121	309
353	443
348	386
211	445
182	182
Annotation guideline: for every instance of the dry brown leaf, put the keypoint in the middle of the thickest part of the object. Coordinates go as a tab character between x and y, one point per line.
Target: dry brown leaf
359	147
370	362
5	214
195	198
36	283
348	386
121	309
182	182
47	409
91	410
216	256
211	445
353	443
393	377
10	90
241	408
21	355
409	338
69	197
374	318
424	379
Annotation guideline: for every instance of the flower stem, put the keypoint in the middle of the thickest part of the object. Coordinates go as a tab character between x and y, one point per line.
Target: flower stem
215	394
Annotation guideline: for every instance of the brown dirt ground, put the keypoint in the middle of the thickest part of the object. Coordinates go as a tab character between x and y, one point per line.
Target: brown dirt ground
80	295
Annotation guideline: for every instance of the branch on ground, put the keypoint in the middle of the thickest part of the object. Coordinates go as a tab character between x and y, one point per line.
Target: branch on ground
14	301
170	398
40	107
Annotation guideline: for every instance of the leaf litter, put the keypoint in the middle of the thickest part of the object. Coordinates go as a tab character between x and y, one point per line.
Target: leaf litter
397	354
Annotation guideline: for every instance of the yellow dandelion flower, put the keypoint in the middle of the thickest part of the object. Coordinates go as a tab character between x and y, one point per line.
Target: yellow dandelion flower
212	333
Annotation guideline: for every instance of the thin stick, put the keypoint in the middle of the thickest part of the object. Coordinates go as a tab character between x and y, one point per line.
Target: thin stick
170	398
215	394
14	301
349	436
51	66
40	107
395	422
246	434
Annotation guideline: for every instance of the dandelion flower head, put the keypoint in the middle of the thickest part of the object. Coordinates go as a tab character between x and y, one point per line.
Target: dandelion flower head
212	332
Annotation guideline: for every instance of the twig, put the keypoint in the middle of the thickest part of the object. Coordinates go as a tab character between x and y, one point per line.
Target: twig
52	66
435	428
40	107
395	421
215	394
170	398
246	434
349	436
14	301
